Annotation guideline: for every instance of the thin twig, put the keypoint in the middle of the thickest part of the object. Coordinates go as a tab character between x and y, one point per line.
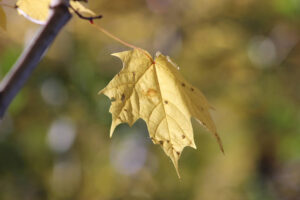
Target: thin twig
31	56
84	17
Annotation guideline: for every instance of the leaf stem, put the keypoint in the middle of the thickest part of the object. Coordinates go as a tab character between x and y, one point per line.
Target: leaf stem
98	27
112	36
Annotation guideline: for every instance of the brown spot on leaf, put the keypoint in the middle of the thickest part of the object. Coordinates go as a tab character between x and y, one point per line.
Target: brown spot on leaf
125	110
192	89
166	102
168	141
183	136
178	153
151	92
182	84
161	142
123	97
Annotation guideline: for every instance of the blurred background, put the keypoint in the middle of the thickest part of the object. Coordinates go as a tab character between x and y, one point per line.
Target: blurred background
243	55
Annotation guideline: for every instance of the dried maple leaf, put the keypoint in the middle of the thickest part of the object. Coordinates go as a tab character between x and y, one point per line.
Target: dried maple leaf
154	91
2	18
37	11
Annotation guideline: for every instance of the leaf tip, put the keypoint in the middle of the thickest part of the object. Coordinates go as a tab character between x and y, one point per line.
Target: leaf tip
219	142
101	91
179	177
176	168
175	157
114	124
222	149
157	54
111	132
112	128
120	55
193	145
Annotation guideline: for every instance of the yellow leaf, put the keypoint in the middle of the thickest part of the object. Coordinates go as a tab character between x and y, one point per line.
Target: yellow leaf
2	18
154	91
81	9
37	11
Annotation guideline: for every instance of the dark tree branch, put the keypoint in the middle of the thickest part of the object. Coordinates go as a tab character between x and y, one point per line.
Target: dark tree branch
31	56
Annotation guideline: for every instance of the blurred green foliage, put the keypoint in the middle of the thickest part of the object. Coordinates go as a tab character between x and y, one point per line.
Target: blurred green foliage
244	56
